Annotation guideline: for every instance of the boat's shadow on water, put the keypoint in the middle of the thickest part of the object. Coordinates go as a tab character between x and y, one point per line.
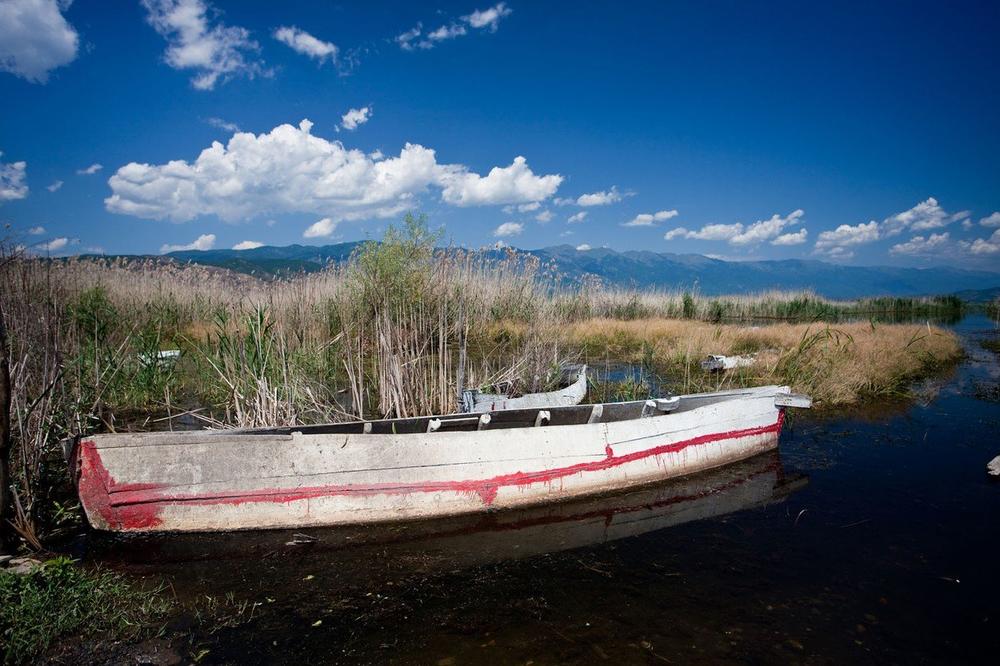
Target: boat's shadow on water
279	561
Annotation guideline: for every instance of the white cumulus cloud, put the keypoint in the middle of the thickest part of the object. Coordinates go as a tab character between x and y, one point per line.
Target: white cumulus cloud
215	52
794	238
54	186
302	42
35	38
447	32
502	185
12	185
410	40
321	229
764	230
924	216
599	198
488	18
481	19
248	245
984	246
89	171
846	236
544	216
991	220
54	245
919	245
739	234
649	219
582	247
224	125
36	231
290	170
508	229
577	217
711	232
355	117
203	242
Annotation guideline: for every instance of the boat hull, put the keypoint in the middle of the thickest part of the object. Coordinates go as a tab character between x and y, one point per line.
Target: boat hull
201	481
424	547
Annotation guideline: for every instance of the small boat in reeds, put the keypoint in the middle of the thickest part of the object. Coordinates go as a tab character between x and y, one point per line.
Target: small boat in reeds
573	393
400	469
425	546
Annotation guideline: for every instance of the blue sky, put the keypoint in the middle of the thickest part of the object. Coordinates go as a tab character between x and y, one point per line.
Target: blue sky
865	133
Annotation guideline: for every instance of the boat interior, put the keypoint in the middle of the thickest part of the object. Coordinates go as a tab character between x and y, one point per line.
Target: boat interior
515	418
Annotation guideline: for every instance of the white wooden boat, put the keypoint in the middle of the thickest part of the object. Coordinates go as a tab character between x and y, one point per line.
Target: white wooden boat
426	546
399	469
477	402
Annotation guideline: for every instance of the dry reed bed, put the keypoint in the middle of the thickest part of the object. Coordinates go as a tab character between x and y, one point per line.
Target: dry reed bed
835	364
401	339
514	284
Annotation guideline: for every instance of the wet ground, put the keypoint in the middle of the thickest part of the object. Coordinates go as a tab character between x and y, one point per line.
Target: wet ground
873	536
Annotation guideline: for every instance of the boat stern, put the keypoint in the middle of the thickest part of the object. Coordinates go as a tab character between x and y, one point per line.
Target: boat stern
91	480
794	400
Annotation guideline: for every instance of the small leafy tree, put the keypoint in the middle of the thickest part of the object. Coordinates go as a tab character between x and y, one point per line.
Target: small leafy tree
393	274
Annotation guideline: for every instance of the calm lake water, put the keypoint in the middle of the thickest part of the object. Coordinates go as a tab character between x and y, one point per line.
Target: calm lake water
872	537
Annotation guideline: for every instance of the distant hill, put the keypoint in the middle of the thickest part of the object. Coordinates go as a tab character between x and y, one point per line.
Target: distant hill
979	295
271	261
661	270
714	276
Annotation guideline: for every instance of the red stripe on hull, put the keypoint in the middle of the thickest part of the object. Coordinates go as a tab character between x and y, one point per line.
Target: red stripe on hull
137	506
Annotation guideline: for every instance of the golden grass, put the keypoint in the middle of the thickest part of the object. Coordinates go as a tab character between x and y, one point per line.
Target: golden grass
834	364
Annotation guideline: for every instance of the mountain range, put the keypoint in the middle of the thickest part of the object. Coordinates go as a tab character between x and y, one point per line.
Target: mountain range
659	270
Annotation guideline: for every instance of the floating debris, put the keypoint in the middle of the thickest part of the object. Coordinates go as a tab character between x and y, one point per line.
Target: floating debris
298	539
162	357
477	402
22	565
719	362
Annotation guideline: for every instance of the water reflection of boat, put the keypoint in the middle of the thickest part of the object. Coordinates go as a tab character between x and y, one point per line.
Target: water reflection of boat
455	543
418	468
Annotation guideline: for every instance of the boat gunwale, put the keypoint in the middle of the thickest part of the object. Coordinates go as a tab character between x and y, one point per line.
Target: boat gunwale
346	428
592	458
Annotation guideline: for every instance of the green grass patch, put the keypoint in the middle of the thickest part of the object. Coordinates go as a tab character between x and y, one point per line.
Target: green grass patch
61	599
